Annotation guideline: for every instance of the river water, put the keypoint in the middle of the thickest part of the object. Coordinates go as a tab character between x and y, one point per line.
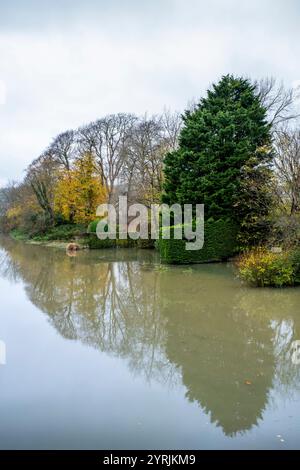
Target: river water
111	350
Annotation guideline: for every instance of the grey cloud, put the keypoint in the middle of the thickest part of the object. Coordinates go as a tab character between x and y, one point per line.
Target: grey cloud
65	63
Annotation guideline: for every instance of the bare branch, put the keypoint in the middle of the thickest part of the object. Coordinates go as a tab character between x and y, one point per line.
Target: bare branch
277	100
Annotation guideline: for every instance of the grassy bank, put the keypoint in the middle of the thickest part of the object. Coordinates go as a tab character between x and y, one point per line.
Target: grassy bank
58	236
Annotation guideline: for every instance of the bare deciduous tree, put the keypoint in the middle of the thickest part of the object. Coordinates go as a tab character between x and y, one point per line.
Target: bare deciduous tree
143	167
9	196
63	149
107	138
278	100
287	164
41	175
172	125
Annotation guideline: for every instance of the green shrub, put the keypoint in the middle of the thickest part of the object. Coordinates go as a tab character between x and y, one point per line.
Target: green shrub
127	243
94	243
145	244
219	244
263	268
295	260
93	226
61	232
18	234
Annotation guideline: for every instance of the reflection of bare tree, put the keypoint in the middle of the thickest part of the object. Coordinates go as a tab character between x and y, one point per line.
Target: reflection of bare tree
8	267
280	308
228	345
287	375
111	306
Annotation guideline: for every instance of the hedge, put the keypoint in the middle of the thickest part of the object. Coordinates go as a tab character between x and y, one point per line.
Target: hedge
148	243
95	243
219	244
295	260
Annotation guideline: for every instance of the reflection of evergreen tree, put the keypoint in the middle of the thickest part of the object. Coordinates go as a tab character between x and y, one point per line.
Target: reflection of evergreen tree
169	322
218	348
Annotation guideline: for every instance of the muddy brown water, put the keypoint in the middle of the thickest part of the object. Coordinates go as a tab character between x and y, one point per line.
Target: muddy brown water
111	350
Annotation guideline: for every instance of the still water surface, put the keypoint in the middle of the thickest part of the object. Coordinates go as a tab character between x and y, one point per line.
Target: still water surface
109	349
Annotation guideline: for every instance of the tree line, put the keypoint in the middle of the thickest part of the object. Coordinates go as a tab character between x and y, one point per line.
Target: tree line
120	153
237	151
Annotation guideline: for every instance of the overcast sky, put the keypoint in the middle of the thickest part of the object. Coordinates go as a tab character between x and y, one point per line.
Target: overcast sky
64	63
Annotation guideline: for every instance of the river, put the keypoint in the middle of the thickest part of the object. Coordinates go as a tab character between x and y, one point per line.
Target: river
111	350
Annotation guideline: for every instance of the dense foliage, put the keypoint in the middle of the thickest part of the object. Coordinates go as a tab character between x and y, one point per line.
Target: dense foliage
62	232
79	191
223	155
295	261
219	244
262	268
237	152
95	243
119	154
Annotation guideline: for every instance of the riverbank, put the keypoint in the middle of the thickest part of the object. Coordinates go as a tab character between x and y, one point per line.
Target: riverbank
258	268
64	234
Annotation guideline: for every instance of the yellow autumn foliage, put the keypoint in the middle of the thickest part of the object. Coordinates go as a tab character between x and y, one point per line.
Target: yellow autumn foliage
79	191
260	267
14	212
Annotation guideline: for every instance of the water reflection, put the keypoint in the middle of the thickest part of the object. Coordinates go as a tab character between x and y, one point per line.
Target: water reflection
229	345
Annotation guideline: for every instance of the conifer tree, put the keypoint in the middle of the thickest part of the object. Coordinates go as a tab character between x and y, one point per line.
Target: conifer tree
224	152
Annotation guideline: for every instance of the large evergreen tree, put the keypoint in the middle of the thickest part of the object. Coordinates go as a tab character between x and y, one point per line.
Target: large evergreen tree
223	155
